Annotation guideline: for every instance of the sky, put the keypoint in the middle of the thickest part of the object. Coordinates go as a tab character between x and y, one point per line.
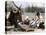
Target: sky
25	4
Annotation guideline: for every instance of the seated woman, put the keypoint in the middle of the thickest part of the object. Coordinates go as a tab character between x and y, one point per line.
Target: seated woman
40	21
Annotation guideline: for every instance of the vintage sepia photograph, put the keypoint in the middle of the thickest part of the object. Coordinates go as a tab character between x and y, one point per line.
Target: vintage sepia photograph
24	17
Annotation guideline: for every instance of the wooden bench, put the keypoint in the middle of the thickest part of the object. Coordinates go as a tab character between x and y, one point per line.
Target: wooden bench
26	27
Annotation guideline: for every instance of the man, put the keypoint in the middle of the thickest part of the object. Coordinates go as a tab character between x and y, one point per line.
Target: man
27	21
